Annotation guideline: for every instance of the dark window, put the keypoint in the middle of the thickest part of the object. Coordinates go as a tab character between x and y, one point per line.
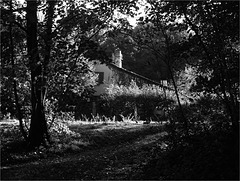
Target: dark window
100	77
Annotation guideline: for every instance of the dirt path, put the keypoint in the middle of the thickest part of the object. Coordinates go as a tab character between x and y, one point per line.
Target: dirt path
115	161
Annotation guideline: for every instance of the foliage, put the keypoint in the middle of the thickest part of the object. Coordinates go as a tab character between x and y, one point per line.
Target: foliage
196	41
132	100
213	33
14	149
207	157
135	57
74	81
64	139
55	46
206	115
192	35
209	152
49	47
13	71
208	118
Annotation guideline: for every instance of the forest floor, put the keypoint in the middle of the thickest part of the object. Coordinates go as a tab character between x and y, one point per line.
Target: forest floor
115	151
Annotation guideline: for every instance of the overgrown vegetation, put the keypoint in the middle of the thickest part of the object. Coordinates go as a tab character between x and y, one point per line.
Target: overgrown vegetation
210	152
14	149
48	74
134	101
69	137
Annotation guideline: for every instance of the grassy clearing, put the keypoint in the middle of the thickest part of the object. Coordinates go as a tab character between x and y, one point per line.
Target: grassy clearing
122	161
103	134
120	151
70	137
103	151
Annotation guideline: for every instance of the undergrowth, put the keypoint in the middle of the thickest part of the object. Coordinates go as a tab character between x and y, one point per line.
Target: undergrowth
210	151
14	149
68	136
203	157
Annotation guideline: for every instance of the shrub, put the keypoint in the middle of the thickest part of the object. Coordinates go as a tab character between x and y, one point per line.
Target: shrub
132	99
211	151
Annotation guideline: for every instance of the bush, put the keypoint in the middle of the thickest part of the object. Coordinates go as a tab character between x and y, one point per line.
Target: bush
206	157
210	151
132	100
205	115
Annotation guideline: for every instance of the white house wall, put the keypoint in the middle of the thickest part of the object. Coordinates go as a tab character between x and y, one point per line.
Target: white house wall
100	89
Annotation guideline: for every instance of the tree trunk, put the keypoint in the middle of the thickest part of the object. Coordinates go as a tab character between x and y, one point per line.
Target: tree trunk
167	43
179	103
38	128
174	83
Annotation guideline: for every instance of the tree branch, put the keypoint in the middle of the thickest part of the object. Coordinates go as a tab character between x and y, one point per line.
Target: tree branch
20	26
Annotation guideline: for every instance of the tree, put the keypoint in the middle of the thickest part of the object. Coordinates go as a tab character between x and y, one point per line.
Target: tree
135	57
14	85
159	40
193	33
61	38
215	36
38	128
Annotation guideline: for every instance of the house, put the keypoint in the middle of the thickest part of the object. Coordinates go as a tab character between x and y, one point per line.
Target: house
115	73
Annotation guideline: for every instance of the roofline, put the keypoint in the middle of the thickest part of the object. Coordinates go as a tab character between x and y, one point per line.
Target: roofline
135	74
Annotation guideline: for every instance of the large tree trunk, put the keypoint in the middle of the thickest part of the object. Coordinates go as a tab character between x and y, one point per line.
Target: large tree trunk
38	128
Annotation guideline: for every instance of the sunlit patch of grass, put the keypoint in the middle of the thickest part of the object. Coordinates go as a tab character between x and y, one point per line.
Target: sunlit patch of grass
104	126
6	122
100	134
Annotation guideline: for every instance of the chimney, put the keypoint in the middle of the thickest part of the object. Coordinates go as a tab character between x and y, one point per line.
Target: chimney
117	57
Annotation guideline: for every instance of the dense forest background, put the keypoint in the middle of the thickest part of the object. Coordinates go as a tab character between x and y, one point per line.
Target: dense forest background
47	54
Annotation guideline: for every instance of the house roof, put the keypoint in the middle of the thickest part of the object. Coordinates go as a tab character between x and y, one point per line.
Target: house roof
135	74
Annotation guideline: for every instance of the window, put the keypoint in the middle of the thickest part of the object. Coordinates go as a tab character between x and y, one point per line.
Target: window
100	77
